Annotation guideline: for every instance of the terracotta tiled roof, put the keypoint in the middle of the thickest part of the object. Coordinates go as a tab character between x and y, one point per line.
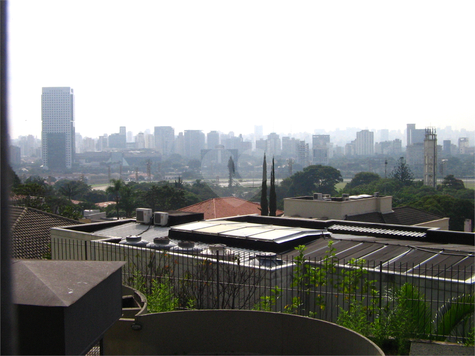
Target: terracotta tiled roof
400	216
104	204
225	207
30	229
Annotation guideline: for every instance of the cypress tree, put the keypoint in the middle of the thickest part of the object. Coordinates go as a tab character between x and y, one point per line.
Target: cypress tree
264	204
272	195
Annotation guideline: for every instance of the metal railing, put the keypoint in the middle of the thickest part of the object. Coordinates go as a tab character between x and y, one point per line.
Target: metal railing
328	288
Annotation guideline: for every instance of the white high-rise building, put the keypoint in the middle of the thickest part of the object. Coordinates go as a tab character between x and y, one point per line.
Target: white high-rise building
58	132
364	143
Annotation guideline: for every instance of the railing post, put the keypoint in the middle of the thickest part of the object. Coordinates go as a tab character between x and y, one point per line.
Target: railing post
217	278
380	284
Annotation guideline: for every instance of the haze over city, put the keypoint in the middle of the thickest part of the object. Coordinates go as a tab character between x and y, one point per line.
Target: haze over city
228	66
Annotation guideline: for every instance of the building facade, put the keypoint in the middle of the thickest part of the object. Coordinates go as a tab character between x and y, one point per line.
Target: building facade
364	143
164	139
58	132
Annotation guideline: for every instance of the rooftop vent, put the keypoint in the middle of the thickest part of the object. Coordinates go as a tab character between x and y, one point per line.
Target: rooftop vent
134	240
161	243
219	249
187	247
268	259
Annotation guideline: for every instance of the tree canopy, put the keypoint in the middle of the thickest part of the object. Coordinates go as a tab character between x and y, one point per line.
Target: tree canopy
402	172
312	179
363	178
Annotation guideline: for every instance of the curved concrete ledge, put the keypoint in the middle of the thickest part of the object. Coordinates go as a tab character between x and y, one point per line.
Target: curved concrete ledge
234	332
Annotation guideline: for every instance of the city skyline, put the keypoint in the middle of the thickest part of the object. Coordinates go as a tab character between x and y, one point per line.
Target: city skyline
229	66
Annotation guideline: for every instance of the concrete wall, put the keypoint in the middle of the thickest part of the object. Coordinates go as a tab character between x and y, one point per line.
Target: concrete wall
233	332
442	224
336	209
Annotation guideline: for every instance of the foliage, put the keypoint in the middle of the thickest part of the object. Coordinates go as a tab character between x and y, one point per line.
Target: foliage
232	171
457	204
454	312
72	189
114	190
161	298
445	205
363	178
402	172
268	301
316	178
450	182
264	203
272	193
406	315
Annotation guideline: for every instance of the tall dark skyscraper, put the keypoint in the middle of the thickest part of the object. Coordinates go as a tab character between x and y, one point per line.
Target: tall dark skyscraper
58	133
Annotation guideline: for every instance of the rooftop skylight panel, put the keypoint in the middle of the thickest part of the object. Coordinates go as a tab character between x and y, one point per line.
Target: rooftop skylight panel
247	231
276	235
221	228
195	225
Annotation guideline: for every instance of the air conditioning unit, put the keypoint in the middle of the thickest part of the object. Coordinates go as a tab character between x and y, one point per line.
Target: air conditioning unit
143	215
160	218
317	196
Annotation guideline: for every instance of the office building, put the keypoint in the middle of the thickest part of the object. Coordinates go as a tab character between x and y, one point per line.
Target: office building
414	135
164	139
212	139
463	145
194	141
58	133
364	143
321	149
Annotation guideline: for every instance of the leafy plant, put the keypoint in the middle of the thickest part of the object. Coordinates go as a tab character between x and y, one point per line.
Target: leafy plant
161	298
268	301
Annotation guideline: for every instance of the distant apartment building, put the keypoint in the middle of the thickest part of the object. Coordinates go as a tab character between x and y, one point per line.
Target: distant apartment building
321	149
164	139
88	144
364	143
29	145
303	153
231	142
414	135
117	141
212	139
388	147
140	140
15	155
463	145
289	147
415	158
350	149
447	147
258	132
57	133
261	144
194	142
274	145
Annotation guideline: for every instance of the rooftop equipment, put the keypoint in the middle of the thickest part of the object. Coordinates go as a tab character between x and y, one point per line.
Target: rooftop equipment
161	243
134	240
160	218
144	215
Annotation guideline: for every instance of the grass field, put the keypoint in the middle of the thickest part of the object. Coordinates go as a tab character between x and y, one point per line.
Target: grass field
341	185
469	184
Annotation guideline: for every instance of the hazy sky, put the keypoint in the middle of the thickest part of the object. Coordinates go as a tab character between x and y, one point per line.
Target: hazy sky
291	66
